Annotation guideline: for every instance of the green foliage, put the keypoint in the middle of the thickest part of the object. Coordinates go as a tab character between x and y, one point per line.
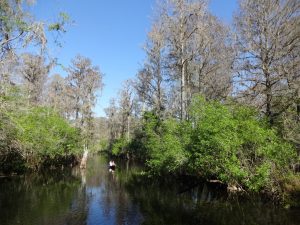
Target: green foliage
10	159
232	143
163	143
32	137
44	134
59	26
100	146
119	147
28	136
136	146
288	124
235	145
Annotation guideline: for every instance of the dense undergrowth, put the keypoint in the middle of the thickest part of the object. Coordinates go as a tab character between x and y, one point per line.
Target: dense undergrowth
227	142
34	137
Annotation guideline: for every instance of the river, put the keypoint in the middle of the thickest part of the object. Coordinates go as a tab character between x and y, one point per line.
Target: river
98	196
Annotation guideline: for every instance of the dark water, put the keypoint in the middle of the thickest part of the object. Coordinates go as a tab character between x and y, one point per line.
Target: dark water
97	196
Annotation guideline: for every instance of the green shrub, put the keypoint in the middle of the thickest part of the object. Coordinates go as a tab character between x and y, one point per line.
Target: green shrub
164	144
45	135
119	147
234	144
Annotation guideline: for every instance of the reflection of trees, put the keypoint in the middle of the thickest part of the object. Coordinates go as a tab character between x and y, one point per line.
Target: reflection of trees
101	197
161	204
116	203
77	214
42	199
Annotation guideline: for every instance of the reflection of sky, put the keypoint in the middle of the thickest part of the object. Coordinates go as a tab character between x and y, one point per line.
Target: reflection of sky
59	199
99	213
108	203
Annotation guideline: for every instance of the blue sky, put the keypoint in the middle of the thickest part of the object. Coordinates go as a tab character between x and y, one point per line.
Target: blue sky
111	33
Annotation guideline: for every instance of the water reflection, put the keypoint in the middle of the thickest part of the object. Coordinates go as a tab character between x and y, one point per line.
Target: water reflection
74	197
204	204
109	201
99	196
43	199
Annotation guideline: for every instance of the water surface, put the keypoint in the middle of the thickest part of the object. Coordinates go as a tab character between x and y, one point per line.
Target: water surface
97	196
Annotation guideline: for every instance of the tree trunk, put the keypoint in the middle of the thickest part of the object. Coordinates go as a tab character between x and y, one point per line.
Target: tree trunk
268	95
298	112
183	92
128	128
84	158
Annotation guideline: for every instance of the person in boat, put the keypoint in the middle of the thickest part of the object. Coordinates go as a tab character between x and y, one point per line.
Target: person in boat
112	164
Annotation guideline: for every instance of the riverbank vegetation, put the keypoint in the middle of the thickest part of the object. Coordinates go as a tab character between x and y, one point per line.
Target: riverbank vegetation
44	120
36	137
216	101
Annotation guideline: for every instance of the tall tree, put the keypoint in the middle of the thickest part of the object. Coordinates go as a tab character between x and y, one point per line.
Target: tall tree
150	79
8	73
34	72
179	20
57	96
196	52
211	68
19	30
126	107
17	27
268	39
84	81
113	120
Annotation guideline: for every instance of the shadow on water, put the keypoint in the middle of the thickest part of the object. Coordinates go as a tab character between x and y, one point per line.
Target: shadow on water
49	198
206	203
69	197
97	196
